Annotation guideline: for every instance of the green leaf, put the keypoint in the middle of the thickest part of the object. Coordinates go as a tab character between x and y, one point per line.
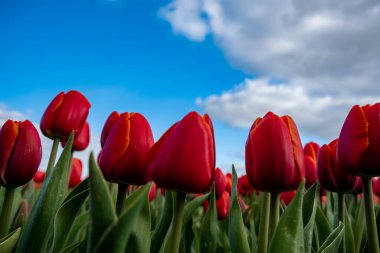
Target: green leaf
37	229
78	228
332	242
236	232
72	248
66	214
163	225
209	229
359	226
310	204
115	238
348	234
288	236
102	210
323	226
253	236
9	242
192	206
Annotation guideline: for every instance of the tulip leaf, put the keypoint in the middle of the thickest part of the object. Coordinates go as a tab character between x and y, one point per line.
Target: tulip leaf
78	227
359	226
163	225
37	229
323	226
236	232
192	206
289	234
117	235
72	248
102	210
333	241
9	242
309	209
253	236
349	242
209	229
66	214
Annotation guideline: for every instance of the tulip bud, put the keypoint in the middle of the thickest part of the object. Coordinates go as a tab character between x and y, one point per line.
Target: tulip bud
39	178
223	205
287	197
183	159
243	186
220	183
310	150
126	142
76	173
229	182
20	153
329	172
359	141
273	154
152	192
81	140
66	113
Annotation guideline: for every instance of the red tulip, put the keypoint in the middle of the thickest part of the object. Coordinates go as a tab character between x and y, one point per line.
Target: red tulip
183	159
243	186
273	154
287	197
359	141
76	173
376	186
66	113
220	183
111	120
20	153
81	140
126	144
39	178
223	205
229	182
152	192
330	173
311	152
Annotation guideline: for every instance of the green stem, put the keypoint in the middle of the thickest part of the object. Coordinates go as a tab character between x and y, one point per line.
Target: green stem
359	227
373	243
53	155
341	207
6	212
121	195
274	212
174	234
264	223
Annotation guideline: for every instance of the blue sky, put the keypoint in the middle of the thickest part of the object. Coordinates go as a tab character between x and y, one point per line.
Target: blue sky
233	59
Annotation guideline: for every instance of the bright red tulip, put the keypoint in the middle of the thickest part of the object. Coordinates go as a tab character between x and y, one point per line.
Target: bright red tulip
111	120
76	173
20	153
311	152
273	154
223	205
66	113
81	140
229	182
330	173
183	159
243	185
359	141
220	183
287	197
126	144
39	178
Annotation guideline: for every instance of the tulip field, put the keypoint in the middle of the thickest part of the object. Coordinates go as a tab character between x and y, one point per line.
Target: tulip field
167	196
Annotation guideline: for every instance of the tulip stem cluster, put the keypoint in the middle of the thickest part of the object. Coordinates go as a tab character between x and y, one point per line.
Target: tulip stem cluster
373	243
264	223
121	196
53	155
174	233
274	212
6	212
341	208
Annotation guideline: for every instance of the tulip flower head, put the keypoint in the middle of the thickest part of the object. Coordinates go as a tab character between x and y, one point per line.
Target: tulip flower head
67	112
223	205
310	150
76	173
273	154
81	140
220	183
20	153
183	159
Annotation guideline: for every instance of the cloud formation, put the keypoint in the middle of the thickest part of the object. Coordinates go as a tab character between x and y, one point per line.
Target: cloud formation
326	52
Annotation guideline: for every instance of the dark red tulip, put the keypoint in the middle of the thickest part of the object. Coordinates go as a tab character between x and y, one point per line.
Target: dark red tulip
76	173
376	186
311	152
81	140
273	154
152	192
330	173
20	153
287	197
220	183
126	144
359	141
223	205
39	178
243	186
183	159
66	113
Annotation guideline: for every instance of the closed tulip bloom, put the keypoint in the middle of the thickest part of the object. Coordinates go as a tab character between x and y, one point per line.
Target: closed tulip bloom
311	152
220	183
273	154
39	178
376	186
330	173
287	197
81	140
114	116
229	182
152	192
20	153
243	185
126	144
223	205
76	173
359	141
183	159
66	113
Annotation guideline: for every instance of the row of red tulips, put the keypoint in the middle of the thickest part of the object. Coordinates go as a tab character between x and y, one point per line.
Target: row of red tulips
183	161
